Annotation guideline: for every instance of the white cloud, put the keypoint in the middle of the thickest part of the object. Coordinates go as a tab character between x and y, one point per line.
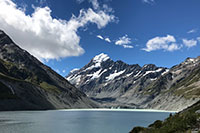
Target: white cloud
100	37
95	4
148	1
107	40
123	41
167	43
173	47
127	46
189	43
107	8
192	31
44	36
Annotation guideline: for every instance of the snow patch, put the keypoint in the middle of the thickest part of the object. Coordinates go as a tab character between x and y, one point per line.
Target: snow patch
153	79
100	58
73	70
129	74
166	71
74	79
115	74
137	74
105	84
93	66
191	60
155	71
97	74
145	66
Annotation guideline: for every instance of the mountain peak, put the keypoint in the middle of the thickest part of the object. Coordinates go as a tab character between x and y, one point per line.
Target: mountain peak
100	58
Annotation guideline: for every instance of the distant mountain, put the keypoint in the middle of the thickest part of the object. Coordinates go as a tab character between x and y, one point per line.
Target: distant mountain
27	84
117	84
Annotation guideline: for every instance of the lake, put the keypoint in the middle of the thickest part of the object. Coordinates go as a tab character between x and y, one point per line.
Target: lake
76	121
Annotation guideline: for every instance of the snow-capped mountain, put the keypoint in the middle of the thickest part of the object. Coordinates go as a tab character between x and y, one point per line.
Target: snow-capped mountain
115	83
104	79
102	76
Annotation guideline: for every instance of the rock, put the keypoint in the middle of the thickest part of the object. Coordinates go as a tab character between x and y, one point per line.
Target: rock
134	86
27	84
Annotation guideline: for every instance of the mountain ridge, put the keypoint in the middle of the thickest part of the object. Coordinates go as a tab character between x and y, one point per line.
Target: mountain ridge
27	84
117	84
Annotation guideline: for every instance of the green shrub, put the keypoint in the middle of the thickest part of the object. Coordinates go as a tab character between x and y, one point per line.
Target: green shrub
49	87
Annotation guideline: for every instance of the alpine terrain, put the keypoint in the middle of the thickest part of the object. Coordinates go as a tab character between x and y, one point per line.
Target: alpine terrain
117	84
27	84
186	121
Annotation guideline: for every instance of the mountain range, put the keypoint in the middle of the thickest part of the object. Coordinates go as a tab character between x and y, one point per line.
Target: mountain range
28	84
117	84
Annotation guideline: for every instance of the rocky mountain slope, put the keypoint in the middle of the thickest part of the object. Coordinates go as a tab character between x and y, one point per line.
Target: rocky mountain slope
27	84
117	84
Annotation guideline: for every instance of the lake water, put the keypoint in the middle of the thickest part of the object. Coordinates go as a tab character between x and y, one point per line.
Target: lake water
76	121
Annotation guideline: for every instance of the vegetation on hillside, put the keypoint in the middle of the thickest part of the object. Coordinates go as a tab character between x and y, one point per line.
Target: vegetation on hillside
185	121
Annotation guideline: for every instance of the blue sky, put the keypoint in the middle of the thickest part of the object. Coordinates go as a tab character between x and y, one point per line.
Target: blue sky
72	32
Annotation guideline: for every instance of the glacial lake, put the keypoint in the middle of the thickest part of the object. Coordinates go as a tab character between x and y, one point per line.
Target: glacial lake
77	121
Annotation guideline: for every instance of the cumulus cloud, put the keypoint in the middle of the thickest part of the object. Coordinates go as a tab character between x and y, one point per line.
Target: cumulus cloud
167	43
123	41
173	47
44	36
189	43
108	40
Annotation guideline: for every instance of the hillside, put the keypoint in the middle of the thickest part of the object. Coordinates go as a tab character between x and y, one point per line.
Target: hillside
27	84
117	84
185	121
